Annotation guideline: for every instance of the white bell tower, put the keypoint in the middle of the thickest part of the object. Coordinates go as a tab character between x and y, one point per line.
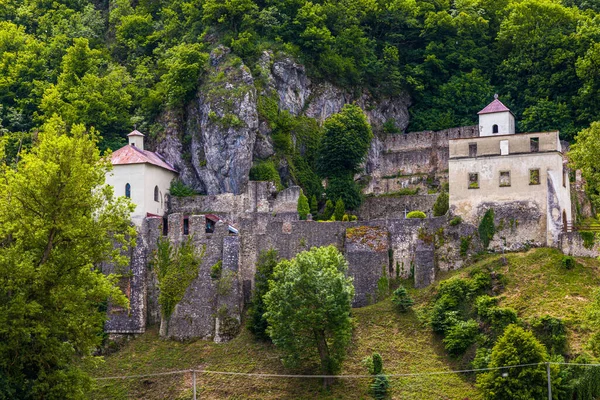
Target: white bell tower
496	119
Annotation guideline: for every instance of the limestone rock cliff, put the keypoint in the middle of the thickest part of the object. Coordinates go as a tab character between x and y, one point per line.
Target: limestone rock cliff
214	142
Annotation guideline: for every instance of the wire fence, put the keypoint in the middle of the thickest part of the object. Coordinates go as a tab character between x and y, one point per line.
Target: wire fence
195	374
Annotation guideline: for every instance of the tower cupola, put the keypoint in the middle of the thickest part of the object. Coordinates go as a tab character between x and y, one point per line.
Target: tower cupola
496	119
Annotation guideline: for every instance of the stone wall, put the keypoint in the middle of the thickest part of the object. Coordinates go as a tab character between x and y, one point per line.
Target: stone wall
395	158
571	243
393	207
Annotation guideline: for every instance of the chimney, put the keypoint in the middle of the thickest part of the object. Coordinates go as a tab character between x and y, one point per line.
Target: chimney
136	138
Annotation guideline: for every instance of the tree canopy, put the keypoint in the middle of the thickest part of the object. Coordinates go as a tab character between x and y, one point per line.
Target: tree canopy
308	307
58	223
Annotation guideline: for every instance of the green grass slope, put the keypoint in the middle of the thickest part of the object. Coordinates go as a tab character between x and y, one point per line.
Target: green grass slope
536	285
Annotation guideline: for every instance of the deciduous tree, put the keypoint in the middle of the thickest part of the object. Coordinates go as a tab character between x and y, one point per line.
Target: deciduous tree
308	308
58	223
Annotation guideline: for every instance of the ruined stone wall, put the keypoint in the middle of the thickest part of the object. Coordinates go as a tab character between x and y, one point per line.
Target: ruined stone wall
571	243
392	207
395	159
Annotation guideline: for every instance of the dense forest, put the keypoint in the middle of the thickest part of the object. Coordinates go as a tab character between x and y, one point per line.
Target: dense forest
113	64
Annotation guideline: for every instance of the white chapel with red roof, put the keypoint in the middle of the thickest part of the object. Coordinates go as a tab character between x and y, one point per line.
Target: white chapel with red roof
143	176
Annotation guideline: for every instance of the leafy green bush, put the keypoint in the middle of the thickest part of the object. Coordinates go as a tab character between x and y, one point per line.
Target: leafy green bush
461	336
216	269
345	218
381	384
266	171
416	214
303	207
589	238
402	300
455	221
180	189
568	262
552	332
487	228
441	205
345	188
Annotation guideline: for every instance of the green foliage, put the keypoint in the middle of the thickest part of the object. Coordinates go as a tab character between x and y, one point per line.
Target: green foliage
552	332
589	238
58	225
584	155
216	269
568	262
402	300
340	210
303	207
515	347
416	214
441	205
380	385
180	189
308	307
267	260
346	140
314	206
175	268
266	171
455	221
487	229
465	244
461	336
346	189
329	209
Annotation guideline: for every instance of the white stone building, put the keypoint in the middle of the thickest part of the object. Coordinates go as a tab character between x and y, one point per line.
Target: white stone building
522	173
143	176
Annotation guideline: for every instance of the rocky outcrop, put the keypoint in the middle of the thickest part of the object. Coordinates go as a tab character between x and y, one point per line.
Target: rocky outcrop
214	143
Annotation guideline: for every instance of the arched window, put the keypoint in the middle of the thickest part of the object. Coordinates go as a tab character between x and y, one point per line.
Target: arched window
156	193
128	191
494	128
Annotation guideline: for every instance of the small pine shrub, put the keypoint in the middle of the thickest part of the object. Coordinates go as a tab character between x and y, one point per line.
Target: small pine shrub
345	218
551	332
589	238
216	269
303	207
329	209
568	262
465	244
353	217
381	384
402	300
441	205
314	205
340	210
416	214
180	189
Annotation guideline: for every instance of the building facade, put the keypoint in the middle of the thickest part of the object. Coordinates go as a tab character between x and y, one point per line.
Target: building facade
143	176
522	173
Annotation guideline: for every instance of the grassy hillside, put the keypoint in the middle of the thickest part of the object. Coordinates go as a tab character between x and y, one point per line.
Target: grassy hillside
536	285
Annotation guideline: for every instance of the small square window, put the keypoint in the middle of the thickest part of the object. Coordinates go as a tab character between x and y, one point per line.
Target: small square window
534	144
472	149
504	178
474	180
534	176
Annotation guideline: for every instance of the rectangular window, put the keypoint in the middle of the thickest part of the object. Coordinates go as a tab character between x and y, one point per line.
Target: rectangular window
504	178
534	144
474	180
472	149
165	231
186	226
565	176
504	147
534	176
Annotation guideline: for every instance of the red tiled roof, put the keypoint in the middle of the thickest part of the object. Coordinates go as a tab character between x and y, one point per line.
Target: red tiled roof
136	133
494	107
132	155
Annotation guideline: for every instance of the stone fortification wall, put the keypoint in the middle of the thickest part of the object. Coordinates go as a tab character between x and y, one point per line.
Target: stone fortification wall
393	207
394	158
572	243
